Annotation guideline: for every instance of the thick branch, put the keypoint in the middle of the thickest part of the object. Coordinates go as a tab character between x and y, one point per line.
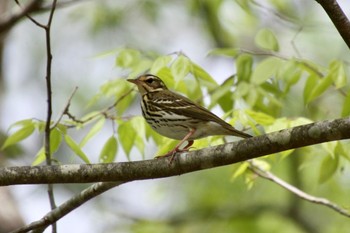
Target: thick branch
210	157
339	19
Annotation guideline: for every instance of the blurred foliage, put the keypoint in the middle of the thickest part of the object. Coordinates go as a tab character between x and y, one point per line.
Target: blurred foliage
284	75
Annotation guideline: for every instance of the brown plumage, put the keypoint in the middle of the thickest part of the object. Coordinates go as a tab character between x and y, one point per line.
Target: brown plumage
177	117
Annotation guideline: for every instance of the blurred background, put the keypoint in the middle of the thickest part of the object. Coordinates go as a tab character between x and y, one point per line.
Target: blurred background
85	36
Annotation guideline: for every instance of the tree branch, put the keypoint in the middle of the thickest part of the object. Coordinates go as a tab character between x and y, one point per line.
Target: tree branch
318	200
9	21
338	17
73	203
206	158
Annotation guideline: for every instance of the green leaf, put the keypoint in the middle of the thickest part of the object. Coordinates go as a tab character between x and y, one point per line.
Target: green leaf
127	57
320	88
39	157
266	69
260	117
203	77
138	125
245	5
266	39
127	135
160	63
309	86
339	149
22	133
346	106
337	73
55	140
329	166
75	148
244	64
290	72
93	131
109	150
180	68
240	170
223	96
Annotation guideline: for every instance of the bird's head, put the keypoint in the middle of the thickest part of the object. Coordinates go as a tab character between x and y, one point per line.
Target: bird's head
148	83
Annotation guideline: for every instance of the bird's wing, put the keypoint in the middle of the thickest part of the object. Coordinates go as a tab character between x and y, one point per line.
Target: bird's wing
181	105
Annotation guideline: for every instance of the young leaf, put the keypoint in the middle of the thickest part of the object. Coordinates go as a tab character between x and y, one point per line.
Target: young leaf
223	96
321	87
25	131
266	70
346	106
240	170
309	86
244	64
180	68
328	168
266	39
160	63
40	157
260	117
93	131
337	73
55	140
109	150
75	148
127	57
127	136
204	78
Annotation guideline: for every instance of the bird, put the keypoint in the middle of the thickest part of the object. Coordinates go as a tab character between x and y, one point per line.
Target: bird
177	117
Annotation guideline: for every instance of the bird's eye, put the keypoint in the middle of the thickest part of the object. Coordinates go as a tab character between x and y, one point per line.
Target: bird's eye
149	81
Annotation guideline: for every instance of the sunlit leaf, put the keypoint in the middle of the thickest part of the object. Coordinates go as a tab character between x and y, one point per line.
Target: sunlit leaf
320	88
55	140
160	63
180	67
266	69
127	135
240	170
346	106
309	86
337	73
22	133
40	157
204	78
75	148
260	117
127	57
328	168
223	96
93	131
244	64
266	39
109	150
339	149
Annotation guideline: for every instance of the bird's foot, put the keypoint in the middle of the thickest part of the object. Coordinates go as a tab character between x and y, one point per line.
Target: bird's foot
173	152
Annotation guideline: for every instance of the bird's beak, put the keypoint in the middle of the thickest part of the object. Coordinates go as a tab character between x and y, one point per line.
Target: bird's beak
135	81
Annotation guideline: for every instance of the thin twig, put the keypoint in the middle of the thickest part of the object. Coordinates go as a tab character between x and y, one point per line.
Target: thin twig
103	112
66	108
47	141
318	200
47	29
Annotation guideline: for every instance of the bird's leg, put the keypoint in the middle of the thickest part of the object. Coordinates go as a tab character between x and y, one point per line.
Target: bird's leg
177	147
